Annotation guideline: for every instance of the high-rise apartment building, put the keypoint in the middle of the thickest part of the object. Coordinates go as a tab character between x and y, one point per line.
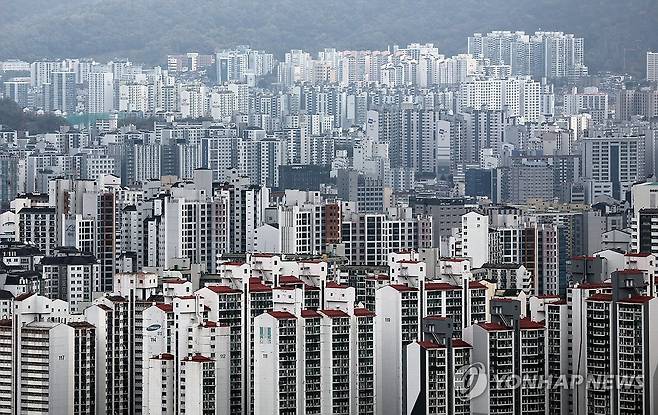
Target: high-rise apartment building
338	350
370	238
506	347
398	325
101	92
431	368
618	330
63	92
17	90
51	367
72	277
611	165
652	66
547	54
590	100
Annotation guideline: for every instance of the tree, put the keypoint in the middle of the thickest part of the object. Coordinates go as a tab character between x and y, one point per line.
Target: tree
12	117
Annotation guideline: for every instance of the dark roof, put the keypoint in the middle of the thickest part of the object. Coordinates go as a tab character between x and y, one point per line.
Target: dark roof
334	313
557	303
155	298
19	250
24	296
333	284
583	258
527	324
437	318
164	356
289	279
81	325
628	272
593	285
460	343
504	300
491	265
258	286
363	312
426	344
69	260
440	286
40	210
167	308
21	273
637	299
476	285
493	326
281	315
600	297
401	287
222	289
197	358
310	314
378	277
454	259
509	292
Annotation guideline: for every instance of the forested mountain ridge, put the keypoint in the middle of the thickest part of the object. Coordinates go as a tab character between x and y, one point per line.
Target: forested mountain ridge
617	32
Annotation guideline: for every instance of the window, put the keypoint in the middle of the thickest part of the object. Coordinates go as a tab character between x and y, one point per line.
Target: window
265	335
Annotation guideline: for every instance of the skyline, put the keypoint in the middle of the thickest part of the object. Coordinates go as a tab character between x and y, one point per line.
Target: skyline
412	229
208	25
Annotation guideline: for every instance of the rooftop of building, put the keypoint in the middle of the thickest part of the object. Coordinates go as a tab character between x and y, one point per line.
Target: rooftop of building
494	326
334	313
637	299
197	358
363	312
223	289
402	287
79	259
440	286
163	356
174	281
600	297
527	324
333	284
256	285
281	315
23	296
167	308
310	314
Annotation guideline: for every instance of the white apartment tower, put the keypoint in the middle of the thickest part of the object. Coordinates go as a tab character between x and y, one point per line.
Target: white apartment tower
397	309
54	367
652	66
432	386
475	238
101	92
620	342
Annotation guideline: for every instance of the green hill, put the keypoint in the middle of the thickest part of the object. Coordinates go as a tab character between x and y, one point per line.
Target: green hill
13	118
617	32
